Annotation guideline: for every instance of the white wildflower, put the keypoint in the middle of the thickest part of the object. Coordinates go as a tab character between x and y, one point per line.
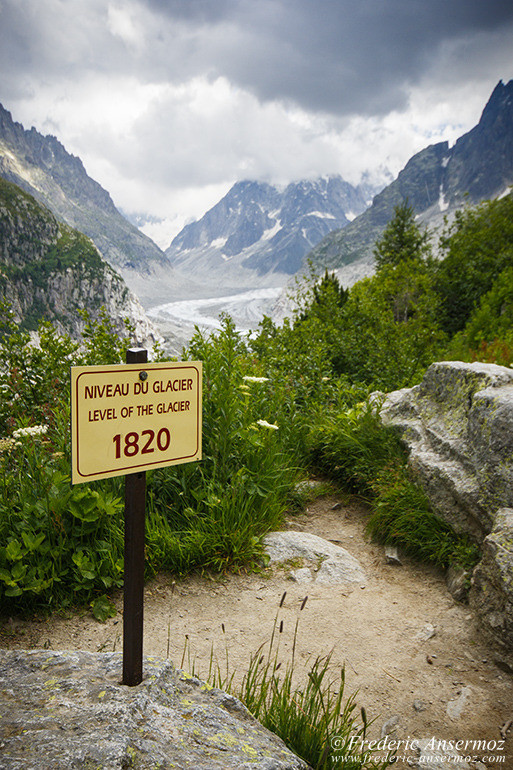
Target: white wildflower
255	379
265	424
6	444
35	430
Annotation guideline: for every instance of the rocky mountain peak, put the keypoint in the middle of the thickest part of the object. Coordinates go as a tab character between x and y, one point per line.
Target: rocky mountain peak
263	229
436	182
42	166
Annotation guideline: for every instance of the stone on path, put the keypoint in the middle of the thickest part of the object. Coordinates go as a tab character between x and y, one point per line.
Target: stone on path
455	707
328	563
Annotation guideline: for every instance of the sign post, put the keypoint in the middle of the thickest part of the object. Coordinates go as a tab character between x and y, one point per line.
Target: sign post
133	579
125	420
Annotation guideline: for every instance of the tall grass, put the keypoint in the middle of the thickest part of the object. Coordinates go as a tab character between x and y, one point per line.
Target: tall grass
355	449
402	516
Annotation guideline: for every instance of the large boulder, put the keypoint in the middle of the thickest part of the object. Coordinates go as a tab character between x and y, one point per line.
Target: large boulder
320	560
458	428
65	710
491	593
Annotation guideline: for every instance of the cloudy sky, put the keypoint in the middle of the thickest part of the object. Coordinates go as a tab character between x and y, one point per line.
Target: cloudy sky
169	102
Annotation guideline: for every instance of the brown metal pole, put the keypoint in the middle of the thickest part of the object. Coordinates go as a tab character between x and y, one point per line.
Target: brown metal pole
133	584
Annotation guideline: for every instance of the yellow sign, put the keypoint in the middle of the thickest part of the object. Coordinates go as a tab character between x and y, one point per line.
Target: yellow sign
134	417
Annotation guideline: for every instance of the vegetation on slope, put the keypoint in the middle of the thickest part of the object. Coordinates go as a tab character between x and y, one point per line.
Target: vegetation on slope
45	266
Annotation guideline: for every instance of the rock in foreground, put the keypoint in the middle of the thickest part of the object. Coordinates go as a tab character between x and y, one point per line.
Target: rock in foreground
64	710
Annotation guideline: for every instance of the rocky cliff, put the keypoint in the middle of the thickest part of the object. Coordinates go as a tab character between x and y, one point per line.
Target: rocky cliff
41	166
458	428
50	271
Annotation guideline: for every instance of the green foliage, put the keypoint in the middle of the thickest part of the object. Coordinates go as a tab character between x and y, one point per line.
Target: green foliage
101	342
313	719
325	296
72	249
402	516
33	379
488	334
217	511
402	240
62	543
477	247
389	330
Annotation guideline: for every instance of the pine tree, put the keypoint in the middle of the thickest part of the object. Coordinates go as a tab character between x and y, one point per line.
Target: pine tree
402	240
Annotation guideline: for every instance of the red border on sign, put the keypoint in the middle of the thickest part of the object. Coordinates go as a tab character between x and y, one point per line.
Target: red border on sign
135	468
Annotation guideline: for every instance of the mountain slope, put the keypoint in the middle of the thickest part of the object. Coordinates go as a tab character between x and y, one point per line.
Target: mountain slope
50	271
41	166
259	233
436	181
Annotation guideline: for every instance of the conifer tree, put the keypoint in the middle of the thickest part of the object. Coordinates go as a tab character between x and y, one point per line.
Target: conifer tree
402	240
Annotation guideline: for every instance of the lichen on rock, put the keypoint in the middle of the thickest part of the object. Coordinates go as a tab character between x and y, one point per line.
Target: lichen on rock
63	710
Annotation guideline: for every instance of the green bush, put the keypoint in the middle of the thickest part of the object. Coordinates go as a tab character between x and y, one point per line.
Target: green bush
357	451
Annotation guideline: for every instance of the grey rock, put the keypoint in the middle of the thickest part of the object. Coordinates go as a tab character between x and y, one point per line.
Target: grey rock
308	485
330	563
63	710
458	428
434	754
427	632
302	575
458	582
418	705
392	555
390	725
455	707
491	592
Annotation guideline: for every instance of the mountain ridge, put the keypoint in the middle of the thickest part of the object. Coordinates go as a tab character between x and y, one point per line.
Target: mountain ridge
43	167
436	182
262	231
49	271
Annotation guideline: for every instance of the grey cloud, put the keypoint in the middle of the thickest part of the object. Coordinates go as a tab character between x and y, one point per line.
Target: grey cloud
333	55
338	56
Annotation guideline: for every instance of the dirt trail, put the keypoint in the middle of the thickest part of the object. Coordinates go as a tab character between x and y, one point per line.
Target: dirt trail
377	631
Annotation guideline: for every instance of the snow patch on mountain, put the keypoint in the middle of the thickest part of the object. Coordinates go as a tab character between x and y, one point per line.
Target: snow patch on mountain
259	233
